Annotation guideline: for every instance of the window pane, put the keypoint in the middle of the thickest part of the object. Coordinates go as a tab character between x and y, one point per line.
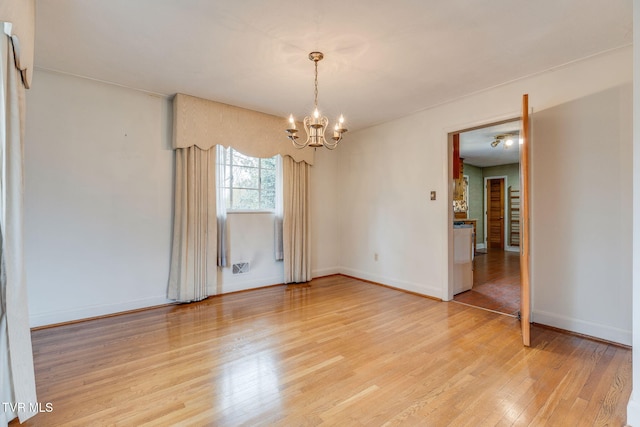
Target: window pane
244	177
246	199
268	181
249	182
268	199
268	163
242	160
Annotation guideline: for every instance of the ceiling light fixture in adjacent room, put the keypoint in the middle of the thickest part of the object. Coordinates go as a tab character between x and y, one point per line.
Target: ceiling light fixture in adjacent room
315	125
506	138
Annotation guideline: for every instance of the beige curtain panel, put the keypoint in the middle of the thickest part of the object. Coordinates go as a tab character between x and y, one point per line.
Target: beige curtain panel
16	357
193	274
296	236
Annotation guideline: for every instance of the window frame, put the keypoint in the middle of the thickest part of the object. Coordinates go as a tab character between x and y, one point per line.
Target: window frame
228	162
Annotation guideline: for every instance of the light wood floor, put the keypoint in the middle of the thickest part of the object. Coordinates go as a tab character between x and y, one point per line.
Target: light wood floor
340	352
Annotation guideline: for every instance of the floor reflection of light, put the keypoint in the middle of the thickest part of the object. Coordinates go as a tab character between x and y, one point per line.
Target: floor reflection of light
513	404
249	383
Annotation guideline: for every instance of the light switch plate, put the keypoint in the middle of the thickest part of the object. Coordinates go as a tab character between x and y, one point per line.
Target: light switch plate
433	195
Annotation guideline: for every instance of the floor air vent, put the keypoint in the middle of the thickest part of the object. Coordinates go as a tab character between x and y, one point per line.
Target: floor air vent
241	268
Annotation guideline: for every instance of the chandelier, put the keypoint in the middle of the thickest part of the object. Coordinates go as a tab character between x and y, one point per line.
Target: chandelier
316	125
507	138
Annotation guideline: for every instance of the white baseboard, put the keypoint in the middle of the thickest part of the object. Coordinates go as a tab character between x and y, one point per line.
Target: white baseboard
507	248
245	285
418	288
325	272
595	330
274	280
87	312
97	310
633	412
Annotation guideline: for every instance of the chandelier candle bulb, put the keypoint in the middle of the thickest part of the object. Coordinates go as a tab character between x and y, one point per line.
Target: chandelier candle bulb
292	122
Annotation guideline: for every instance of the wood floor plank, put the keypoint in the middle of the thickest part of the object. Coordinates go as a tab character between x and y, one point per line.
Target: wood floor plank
338	352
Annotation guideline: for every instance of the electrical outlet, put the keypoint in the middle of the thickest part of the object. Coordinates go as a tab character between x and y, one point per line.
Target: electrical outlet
433	195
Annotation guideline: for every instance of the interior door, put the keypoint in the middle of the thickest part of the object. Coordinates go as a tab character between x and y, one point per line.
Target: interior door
495	213
525	290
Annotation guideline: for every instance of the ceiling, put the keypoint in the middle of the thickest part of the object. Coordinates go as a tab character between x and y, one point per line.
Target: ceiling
476	149
383	59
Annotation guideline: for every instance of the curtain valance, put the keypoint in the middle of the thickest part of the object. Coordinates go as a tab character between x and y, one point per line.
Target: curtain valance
205	123
21	16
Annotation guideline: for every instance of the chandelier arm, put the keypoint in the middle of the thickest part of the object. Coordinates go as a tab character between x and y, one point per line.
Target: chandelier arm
297	144
331	146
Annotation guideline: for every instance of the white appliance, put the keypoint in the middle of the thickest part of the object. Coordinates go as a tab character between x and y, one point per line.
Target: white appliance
462	258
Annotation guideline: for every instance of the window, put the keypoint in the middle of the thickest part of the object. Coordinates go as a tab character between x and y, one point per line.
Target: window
249	182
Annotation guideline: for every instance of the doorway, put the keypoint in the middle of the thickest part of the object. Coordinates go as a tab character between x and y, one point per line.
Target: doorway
495	213
491	164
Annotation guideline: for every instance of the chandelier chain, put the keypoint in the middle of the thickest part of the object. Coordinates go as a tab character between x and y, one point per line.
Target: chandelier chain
315	93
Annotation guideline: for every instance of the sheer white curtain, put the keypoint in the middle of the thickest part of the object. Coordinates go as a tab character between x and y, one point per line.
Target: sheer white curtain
193	274
221	206
295	225
278	249
17	380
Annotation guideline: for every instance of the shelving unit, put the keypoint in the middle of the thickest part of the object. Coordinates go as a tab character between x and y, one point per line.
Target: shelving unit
514	217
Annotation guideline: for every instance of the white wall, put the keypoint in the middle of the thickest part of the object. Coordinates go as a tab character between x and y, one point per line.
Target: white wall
251	239
633	408
581	215
387	172
325	213
99	200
